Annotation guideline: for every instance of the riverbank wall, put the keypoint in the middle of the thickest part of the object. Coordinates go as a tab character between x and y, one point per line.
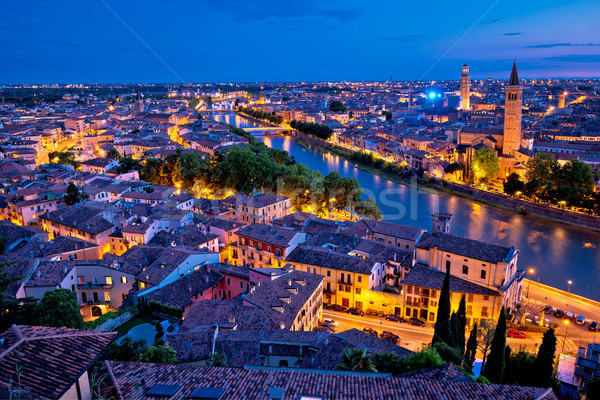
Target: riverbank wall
494	199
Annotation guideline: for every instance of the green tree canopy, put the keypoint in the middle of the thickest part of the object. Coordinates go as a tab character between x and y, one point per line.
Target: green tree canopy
159	354
485	165
471	349
541	168
386	362
425	358
113	153
513	184
494	366
337	106
60	308
73	195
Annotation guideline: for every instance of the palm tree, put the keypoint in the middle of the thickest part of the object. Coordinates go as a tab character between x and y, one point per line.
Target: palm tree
386	362
357	360
218	360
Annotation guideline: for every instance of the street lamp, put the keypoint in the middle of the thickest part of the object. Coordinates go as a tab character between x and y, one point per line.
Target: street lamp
565	338
569	289
531	272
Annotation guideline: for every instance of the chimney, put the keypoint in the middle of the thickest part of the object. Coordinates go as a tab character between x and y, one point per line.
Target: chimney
231	319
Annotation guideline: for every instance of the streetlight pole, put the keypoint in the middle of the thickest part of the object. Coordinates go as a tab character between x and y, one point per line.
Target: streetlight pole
569	289
565	338
531	272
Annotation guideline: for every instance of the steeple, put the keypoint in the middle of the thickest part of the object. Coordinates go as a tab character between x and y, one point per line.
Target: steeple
138	97
514	75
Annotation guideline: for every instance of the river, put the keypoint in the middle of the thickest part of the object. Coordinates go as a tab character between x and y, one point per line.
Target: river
557	252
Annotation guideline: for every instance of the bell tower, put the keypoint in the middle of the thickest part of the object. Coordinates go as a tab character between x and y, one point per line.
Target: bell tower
512	114
465	88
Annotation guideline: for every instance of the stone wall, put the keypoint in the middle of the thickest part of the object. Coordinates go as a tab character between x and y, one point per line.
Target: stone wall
539	210
112	323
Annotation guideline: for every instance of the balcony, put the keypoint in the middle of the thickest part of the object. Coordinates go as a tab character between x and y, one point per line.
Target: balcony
345	282
329	291
94	285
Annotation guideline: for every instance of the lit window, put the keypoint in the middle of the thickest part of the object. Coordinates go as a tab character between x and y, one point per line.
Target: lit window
123	279
109	280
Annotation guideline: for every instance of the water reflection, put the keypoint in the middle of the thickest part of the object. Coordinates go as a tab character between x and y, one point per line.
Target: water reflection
557	252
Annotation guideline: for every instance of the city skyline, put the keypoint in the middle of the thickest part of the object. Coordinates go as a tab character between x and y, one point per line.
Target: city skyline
203	41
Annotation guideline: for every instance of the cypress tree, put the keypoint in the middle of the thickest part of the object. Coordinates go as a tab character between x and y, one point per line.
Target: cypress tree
442	322
461	314
507	365
543	366
455	332
494	367
471	349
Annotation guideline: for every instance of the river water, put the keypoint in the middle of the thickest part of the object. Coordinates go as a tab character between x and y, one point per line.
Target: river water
557	252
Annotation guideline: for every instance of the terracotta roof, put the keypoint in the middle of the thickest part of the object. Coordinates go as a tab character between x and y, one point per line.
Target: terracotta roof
475	249
322	257
274	235
134	380
80	216
187	236
431	278
51	359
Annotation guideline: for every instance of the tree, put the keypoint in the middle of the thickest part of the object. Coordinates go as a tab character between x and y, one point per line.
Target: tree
454	168
593	388
494	367
159	354
513	184
485	164
485	335
368	209
425	358
541	168
64	157
356	360
449	353
471	349
193	103
113	153
576	173
126	350
442	331
60	308
218	360
519	369
460	325
128	164
507	364
543	365
73	195
386	362
388	115
337	106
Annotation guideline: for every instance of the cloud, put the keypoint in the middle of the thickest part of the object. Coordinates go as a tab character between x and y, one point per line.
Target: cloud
265	9
493	21
512	34
551	45
577	58
405	38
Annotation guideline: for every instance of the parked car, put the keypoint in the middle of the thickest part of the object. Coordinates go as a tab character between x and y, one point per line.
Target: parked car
593	326
416	322
371	331
394	318
326	328
390	336
528	319
326	306
370	311
559	313
355	311
330	321
580	320
337	307
517	334
569	315
547	309
321	328
546	322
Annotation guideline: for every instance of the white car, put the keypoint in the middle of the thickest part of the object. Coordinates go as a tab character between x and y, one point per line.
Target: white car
331	322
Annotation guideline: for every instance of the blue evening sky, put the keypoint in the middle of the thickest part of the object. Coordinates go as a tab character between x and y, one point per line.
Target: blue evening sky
83	41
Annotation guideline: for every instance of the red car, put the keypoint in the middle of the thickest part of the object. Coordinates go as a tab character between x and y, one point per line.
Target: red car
517	334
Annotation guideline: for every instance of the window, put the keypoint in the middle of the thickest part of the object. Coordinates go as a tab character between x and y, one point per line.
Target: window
260	246
448	264
278	252
465	270
83	297
243	241
409	289
81	280
228	281
359	279
251	243
483	273
108	280
484	311
269	249
241	285
123	295
469	310
470	298
433	294
229	293
328	273
408	311
486	298
357	290
107	297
